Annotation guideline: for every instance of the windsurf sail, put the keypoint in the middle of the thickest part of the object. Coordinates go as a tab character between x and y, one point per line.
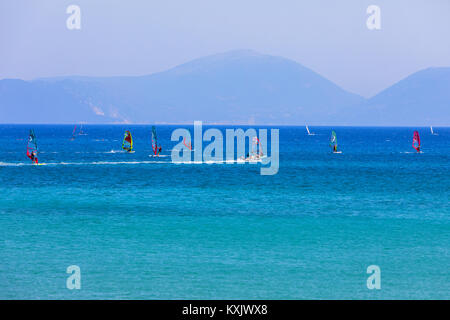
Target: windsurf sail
333	141
416	141
73	132
187	144
432	131
127	143
307	129
156	148
32	148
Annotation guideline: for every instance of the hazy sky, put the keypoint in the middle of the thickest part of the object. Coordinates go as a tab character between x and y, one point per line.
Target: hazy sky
142	37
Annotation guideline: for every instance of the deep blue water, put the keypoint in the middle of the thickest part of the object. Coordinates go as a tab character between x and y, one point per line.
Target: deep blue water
146	228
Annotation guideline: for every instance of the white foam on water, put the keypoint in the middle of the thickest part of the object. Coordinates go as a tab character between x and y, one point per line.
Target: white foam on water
218	162
19	164
160	156
115	151
63	163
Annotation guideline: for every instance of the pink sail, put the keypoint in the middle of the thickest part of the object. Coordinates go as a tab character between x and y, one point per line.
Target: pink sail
416	141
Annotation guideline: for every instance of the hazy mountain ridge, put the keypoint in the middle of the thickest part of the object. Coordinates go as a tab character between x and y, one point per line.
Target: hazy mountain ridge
235	87
419	99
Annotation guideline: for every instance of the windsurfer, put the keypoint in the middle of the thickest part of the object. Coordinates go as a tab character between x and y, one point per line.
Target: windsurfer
32	157
416	141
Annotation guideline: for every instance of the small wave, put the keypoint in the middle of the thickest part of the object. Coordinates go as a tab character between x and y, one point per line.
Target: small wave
125	162
217	162
411	152
115	151
193	162
160	156
18	164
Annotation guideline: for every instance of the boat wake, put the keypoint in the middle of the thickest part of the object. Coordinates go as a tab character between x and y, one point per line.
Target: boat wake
21	164
115	151
18	164
160	156
106	163
218	161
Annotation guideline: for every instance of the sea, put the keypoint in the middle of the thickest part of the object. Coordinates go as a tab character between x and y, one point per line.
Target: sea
141	227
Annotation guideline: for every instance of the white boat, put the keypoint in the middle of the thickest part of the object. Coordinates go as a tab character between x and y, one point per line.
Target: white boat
256	154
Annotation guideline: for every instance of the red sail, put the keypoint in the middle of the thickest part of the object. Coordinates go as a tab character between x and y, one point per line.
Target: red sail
416	141
128	137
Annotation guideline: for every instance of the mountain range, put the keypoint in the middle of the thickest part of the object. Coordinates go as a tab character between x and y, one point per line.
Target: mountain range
237	87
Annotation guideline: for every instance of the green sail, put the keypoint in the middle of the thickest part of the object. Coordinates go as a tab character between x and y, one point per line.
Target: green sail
333	140
154	141
32	143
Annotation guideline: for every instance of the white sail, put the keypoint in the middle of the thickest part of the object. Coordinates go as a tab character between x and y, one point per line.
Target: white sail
82	133
309	132
432	131
256	153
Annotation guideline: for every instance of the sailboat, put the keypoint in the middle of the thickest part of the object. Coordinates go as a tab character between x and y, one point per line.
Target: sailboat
333	142
416	141
256	153
155	147
310	133
432	132
32	148
127	143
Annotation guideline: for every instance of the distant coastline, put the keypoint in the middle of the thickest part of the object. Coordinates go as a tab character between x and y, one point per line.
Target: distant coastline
237	87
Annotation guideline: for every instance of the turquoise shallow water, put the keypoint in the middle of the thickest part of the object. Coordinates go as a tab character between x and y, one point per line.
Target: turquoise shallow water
144	228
